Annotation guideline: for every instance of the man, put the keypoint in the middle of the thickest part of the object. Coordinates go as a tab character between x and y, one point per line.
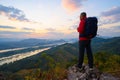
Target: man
84	43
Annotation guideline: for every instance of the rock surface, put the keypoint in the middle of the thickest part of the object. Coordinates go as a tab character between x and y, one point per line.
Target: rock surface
87	74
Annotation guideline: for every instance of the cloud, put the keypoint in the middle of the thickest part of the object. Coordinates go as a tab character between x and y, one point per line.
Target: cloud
13	13
58	34
50	29
110	16
55	33
110	32
117	28
61	35
47	35
72	5
11	34
112	11
8	27
29	29
73	27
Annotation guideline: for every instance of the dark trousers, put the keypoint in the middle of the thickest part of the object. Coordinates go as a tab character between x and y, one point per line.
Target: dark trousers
85	45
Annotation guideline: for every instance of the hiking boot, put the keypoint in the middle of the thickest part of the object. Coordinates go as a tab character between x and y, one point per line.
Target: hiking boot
90	69
80	69
77	66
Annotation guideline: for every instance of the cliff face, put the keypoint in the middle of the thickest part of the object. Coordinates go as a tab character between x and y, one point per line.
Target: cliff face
86	74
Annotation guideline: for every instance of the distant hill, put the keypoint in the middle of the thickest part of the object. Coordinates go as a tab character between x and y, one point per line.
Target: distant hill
28	43
110	45
9	40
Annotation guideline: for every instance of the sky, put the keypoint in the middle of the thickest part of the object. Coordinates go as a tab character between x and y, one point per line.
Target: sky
56	19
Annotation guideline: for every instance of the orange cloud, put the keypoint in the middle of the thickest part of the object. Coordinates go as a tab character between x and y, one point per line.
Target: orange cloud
71	5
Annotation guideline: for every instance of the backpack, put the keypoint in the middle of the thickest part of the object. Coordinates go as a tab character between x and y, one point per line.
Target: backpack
90	27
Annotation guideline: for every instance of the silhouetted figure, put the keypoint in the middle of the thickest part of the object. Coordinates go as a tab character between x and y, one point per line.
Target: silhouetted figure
84	43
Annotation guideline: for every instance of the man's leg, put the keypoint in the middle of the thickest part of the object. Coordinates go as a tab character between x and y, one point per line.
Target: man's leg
81	53
89	53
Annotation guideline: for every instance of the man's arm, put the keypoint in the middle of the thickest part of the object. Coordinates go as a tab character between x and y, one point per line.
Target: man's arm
81	27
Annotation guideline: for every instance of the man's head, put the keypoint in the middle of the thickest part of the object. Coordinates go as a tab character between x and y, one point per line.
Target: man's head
83	15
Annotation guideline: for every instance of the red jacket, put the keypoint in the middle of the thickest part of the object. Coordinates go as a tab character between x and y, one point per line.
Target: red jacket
81	29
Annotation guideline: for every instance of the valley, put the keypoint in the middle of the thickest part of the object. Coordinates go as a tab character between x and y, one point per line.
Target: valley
49	60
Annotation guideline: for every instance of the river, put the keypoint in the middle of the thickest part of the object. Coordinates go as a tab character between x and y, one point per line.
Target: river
20	56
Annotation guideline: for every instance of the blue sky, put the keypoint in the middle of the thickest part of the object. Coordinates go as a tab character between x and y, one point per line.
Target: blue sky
56	19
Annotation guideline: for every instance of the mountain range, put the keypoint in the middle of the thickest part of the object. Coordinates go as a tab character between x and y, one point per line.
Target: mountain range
28	43
65	54
68	51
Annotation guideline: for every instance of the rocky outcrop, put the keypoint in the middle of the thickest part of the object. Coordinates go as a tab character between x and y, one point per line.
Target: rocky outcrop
87	74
